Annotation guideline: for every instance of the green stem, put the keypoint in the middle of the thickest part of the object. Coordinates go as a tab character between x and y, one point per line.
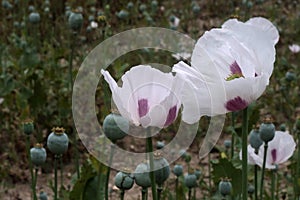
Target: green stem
255	183
99	176
112	148
176	188
233	133
244	155
159	191
190	194
55	177
273	184
194	195
144	193
61	172
34	184
263	171
151	173
30	166
122	194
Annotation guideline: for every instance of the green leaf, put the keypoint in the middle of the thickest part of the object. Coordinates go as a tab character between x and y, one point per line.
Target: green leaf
224	168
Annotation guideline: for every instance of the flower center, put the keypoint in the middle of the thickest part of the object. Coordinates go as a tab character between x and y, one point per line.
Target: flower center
236	72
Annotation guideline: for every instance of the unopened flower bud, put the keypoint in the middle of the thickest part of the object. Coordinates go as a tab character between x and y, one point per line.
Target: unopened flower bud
267	130
255	140
124	180
162	167
75	21
115	127
190	180
34	18
225	187
178	170
141	175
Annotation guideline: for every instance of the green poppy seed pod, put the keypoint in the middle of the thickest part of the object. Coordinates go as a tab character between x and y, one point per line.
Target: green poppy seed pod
227	144
196	9
142	7
290	76
115	127
172	18
47	3
43	196
282	127
197	173
249	4
141	175
28	127
251	189
6	5
187	158
190	180
225	187
34	18
47	10
31	8
163	169
123	14
178	170
154	6
38	155
160	144
75	21
58	141
267	131
130	5
91	18
124	181
254	139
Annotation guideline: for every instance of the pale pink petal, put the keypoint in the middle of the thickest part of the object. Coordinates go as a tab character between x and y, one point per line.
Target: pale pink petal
253	158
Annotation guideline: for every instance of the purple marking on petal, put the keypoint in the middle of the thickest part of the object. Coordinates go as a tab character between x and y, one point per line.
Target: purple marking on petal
236	104
143	107
255	75
235	69
274	155
171	116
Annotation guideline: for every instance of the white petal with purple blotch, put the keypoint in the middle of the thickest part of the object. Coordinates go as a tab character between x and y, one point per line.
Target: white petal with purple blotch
147	96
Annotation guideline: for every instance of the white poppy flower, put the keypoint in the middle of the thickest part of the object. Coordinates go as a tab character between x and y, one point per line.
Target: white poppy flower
280	149
294	48
94	24
148	97
230	68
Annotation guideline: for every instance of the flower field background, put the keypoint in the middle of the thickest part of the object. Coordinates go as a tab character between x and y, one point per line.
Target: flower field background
41	50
